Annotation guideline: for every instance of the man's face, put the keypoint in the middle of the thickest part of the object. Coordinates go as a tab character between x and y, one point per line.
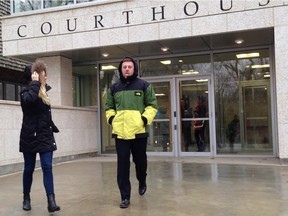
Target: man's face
127	69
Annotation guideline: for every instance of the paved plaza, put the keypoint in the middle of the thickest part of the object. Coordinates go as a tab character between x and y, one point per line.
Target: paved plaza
176	186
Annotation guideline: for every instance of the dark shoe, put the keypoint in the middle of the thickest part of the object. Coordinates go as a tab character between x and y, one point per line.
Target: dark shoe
26	202
52	207
142	189
125	203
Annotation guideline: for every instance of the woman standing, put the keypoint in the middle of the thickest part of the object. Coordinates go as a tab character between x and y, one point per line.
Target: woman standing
37	133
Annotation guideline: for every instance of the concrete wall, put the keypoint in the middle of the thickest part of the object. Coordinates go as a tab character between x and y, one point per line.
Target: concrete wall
281	65
78	133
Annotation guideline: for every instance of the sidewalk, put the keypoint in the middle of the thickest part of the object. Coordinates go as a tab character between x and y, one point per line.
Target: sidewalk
176	186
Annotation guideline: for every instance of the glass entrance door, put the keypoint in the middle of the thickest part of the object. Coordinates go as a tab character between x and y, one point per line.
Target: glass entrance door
193	112
160	131
181	126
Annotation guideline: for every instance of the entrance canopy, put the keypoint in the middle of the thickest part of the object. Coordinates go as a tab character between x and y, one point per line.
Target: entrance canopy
259	37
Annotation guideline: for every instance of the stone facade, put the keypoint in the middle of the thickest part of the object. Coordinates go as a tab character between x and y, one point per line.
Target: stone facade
90	26
6	62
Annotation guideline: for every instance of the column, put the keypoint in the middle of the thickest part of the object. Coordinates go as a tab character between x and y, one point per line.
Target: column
59	73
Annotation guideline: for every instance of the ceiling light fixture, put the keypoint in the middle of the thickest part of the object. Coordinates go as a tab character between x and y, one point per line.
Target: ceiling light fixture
260	66
105	55
247	55
239	41
184	72
164	49
202	80
108	67
166	62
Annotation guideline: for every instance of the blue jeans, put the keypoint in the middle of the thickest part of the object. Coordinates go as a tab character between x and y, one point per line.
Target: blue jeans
46	165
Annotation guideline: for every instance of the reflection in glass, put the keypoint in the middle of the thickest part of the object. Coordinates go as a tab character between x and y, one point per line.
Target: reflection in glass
194	116
159	139
85	86
29	5
242	101
57	3
160	130
188	65
108	75
1	91
26	5
10	92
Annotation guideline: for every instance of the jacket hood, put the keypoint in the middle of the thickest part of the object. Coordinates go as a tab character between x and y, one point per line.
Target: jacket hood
27	72
135	74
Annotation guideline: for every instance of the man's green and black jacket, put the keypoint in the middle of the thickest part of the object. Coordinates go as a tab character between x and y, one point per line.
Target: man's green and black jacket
130	106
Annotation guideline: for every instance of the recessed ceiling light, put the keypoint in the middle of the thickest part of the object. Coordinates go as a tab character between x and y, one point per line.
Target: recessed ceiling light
247	55
239	41
166	62
160	94
184	72
202	80
164	49
260	66
108	67
105	55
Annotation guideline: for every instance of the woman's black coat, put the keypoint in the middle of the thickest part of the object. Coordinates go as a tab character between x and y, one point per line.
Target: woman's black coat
37	125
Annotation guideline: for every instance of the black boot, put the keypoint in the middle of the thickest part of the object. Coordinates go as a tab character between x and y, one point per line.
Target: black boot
26	202
52	207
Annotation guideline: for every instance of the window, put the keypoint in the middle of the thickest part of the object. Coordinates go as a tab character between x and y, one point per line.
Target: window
1	91
85	86
29	5
10	91
243	103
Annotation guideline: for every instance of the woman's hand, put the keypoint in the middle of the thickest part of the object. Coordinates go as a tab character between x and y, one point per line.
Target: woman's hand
35	76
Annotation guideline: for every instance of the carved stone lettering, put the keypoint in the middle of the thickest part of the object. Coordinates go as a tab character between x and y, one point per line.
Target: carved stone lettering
187	7
225	9
48	24
75	25
98	19
190	8
154	13
18	31
127	16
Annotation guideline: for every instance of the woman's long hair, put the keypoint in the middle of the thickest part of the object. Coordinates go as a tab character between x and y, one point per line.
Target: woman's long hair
40	68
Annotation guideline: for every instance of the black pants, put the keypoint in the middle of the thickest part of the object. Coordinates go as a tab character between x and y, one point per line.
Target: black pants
187	137
138	149
200	139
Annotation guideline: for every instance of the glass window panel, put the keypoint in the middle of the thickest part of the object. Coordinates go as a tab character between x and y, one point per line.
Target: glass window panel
10	92
26	5
85	86
57	3
188	65
1	91
160	130
19	88
242	100
194	109
108	75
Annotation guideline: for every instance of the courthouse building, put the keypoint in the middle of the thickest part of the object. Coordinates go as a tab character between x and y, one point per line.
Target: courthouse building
232	54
